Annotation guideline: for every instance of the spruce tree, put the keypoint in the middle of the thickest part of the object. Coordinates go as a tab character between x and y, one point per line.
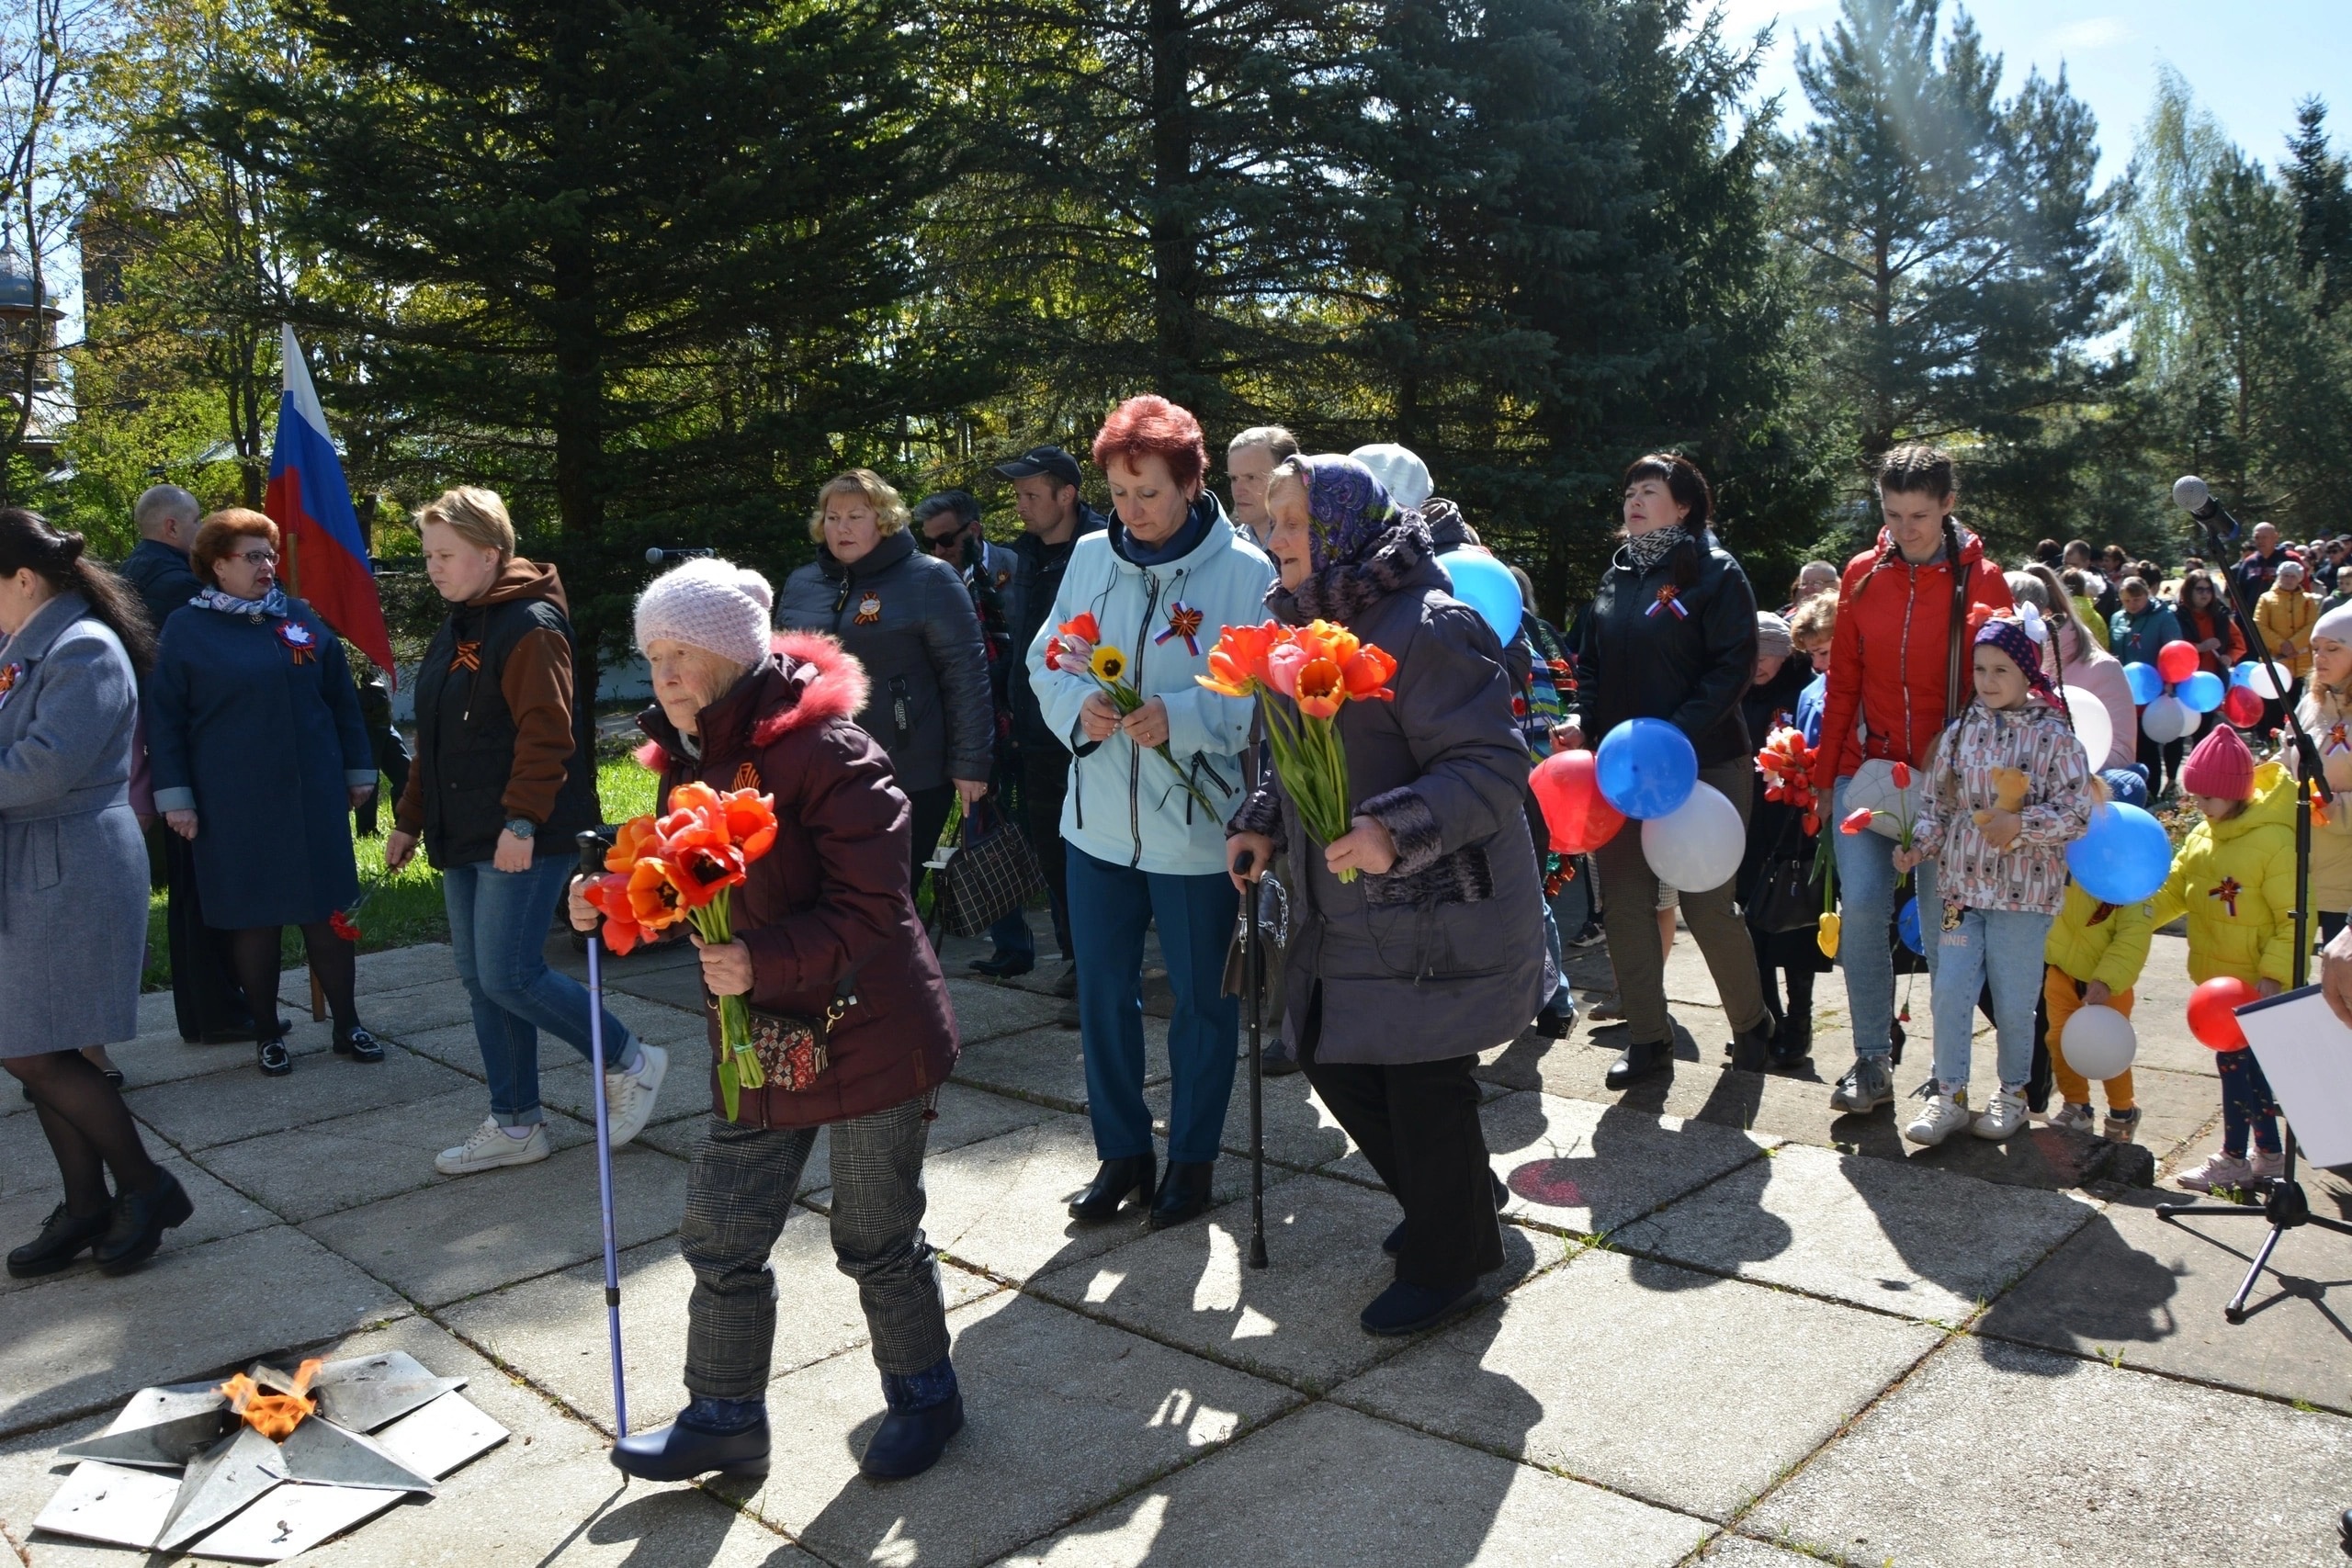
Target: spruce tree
2317	180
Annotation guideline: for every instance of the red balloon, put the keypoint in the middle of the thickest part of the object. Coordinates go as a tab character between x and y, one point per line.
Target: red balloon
2176	662
1567	787
2241	707
2212	1013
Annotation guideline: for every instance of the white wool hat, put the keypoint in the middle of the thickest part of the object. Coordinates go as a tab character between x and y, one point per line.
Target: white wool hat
708	603
1401	473
2336	625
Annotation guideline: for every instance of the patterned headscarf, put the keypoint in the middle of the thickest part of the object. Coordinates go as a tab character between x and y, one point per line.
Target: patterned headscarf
1349	507
2022	640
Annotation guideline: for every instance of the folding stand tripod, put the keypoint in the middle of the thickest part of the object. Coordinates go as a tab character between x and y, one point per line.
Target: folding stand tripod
2284	1205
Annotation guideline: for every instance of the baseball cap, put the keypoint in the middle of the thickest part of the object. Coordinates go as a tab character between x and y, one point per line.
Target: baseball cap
1041	460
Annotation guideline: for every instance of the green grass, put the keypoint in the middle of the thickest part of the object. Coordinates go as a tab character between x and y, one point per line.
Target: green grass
401	910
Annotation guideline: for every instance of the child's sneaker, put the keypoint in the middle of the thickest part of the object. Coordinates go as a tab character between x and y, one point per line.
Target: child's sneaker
2268	1166
2073	1118
2120	1126
2220	1169
2004	1114
1947	1113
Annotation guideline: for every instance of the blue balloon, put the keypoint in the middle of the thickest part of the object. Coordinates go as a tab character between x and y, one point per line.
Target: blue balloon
2146	684
1646	768
2124	857
2202	693
2242	673
1485	585
1907	925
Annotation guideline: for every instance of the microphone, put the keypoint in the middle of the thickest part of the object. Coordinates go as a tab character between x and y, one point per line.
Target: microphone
657	555
2193	496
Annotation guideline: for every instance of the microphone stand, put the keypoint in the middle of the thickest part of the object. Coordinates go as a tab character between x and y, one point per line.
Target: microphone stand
2284	1205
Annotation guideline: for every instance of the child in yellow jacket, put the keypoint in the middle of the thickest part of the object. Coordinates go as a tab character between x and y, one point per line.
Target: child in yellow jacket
2092	959
2234	878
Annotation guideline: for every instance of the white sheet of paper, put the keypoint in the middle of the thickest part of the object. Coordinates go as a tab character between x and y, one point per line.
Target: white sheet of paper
112	1503
2307	1055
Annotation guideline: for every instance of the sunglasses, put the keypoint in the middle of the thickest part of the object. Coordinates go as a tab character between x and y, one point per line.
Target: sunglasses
943	544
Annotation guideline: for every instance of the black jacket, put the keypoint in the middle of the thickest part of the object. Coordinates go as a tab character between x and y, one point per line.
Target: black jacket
1035	581
1636	657
162	577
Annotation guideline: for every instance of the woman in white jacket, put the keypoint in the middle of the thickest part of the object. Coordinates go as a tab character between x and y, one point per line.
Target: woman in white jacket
1146	834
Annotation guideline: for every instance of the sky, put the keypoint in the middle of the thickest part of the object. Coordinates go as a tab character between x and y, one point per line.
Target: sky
2248	62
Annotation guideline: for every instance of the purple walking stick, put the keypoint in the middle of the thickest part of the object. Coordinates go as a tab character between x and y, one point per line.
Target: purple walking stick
592	863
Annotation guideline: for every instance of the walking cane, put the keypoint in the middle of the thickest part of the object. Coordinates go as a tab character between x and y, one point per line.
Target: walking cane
592	863
1252	988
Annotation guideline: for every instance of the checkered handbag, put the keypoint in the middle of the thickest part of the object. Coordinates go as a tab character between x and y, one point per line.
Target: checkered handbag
990	872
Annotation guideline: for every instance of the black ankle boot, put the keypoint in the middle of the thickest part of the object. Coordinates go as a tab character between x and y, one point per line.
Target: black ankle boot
926	1410
1792	1044
139	1219
272	1058
63	1239
684	1450
1638	1062
1751	1050
1113	1185
1183	1193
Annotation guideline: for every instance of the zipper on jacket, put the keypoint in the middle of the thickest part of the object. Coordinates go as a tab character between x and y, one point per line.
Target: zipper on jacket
840	601
1135	759
1903	664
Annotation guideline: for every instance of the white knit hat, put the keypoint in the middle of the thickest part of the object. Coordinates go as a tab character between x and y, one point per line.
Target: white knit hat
1400	470
2335	625
708	603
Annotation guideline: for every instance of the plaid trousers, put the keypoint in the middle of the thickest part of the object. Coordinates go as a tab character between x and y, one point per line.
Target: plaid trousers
739	1191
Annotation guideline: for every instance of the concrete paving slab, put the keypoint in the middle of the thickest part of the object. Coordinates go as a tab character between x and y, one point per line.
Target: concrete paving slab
1063	1415
30	1189
657	1023
315	1168
1733	1384
1301	1493
459	1237
405	1014
453	1045
166	1058
674	986
986	1010
1295	1319
1738	1551
1922	1243
1048	1065
552	1329
1589	1168
81	1341
221	1107
565	1085
1001	1204
2132	1287
1997	1456
392	969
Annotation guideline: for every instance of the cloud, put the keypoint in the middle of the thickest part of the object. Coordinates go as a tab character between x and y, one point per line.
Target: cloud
2092	32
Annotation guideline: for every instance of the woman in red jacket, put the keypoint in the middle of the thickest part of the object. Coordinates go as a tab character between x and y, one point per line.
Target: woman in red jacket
1897	669
826	913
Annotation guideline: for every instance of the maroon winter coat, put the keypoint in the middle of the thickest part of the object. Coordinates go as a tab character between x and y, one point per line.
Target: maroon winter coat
832	892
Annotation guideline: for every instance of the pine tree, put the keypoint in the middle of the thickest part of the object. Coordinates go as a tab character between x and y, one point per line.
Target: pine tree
2317	179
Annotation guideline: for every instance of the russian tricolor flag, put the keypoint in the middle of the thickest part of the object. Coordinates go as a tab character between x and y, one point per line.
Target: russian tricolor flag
326	558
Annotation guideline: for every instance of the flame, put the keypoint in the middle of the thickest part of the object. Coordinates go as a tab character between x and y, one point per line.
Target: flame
274	1416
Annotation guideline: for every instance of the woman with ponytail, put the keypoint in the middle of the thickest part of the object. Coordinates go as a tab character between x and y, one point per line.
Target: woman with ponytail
73	888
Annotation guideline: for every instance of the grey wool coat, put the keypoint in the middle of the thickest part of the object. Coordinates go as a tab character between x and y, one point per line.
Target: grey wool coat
1443	955
72	863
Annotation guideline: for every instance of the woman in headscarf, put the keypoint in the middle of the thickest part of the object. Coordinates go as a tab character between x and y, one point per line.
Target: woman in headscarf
1397	980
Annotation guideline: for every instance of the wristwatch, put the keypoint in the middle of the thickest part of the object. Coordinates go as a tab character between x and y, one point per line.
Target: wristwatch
521	827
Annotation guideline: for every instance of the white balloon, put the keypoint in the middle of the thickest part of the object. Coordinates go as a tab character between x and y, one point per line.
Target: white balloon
2167	720
2269	681
2098	1043
2093	725
1697	845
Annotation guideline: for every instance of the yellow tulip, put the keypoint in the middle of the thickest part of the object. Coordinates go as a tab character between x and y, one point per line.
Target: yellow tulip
1828	937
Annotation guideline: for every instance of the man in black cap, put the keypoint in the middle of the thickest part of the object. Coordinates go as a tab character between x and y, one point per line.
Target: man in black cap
1045	490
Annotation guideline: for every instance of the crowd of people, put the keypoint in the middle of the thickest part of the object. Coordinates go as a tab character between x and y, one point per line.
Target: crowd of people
186	722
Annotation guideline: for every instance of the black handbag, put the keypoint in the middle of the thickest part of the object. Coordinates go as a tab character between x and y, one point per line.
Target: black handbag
988	873
1273	901
1787	897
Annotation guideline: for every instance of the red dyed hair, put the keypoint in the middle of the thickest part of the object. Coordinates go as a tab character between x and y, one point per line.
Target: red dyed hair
1152	425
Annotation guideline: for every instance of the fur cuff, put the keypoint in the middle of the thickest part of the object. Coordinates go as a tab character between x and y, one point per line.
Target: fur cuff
1411	824
1260	813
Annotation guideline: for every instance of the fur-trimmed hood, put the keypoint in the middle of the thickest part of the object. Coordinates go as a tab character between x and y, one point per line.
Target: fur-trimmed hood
809	678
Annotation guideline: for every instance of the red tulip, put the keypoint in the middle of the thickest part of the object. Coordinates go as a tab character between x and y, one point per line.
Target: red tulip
1367	674
751	821
1902	776
1857	821
1319	691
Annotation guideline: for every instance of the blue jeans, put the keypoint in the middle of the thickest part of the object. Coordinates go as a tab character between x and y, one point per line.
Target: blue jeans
498	929
1867	901
2004	947
1109	906
1559	996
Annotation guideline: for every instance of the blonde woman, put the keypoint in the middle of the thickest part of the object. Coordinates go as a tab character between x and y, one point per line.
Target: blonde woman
906	617
503	779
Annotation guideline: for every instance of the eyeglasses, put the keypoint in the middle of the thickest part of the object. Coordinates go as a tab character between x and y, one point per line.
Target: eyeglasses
943	544
257	557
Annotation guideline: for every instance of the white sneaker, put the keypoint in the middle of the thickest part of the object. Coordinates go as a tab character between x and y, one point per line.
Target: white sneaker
1947	1113
2267	1167
2004	1114
2073	1118
490	1148
628	1097
2218	1169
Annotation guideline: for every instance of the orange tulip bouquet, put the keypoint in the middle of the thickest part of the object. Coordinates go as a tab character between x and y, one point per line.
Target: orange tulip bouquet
1320	667
682	865
1077	648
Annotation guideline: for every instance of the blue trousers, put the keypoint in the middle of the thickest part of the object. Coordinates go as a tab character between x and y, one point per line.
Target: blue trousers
1867	901
498	934
1976	947
1109	906
2248	1109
